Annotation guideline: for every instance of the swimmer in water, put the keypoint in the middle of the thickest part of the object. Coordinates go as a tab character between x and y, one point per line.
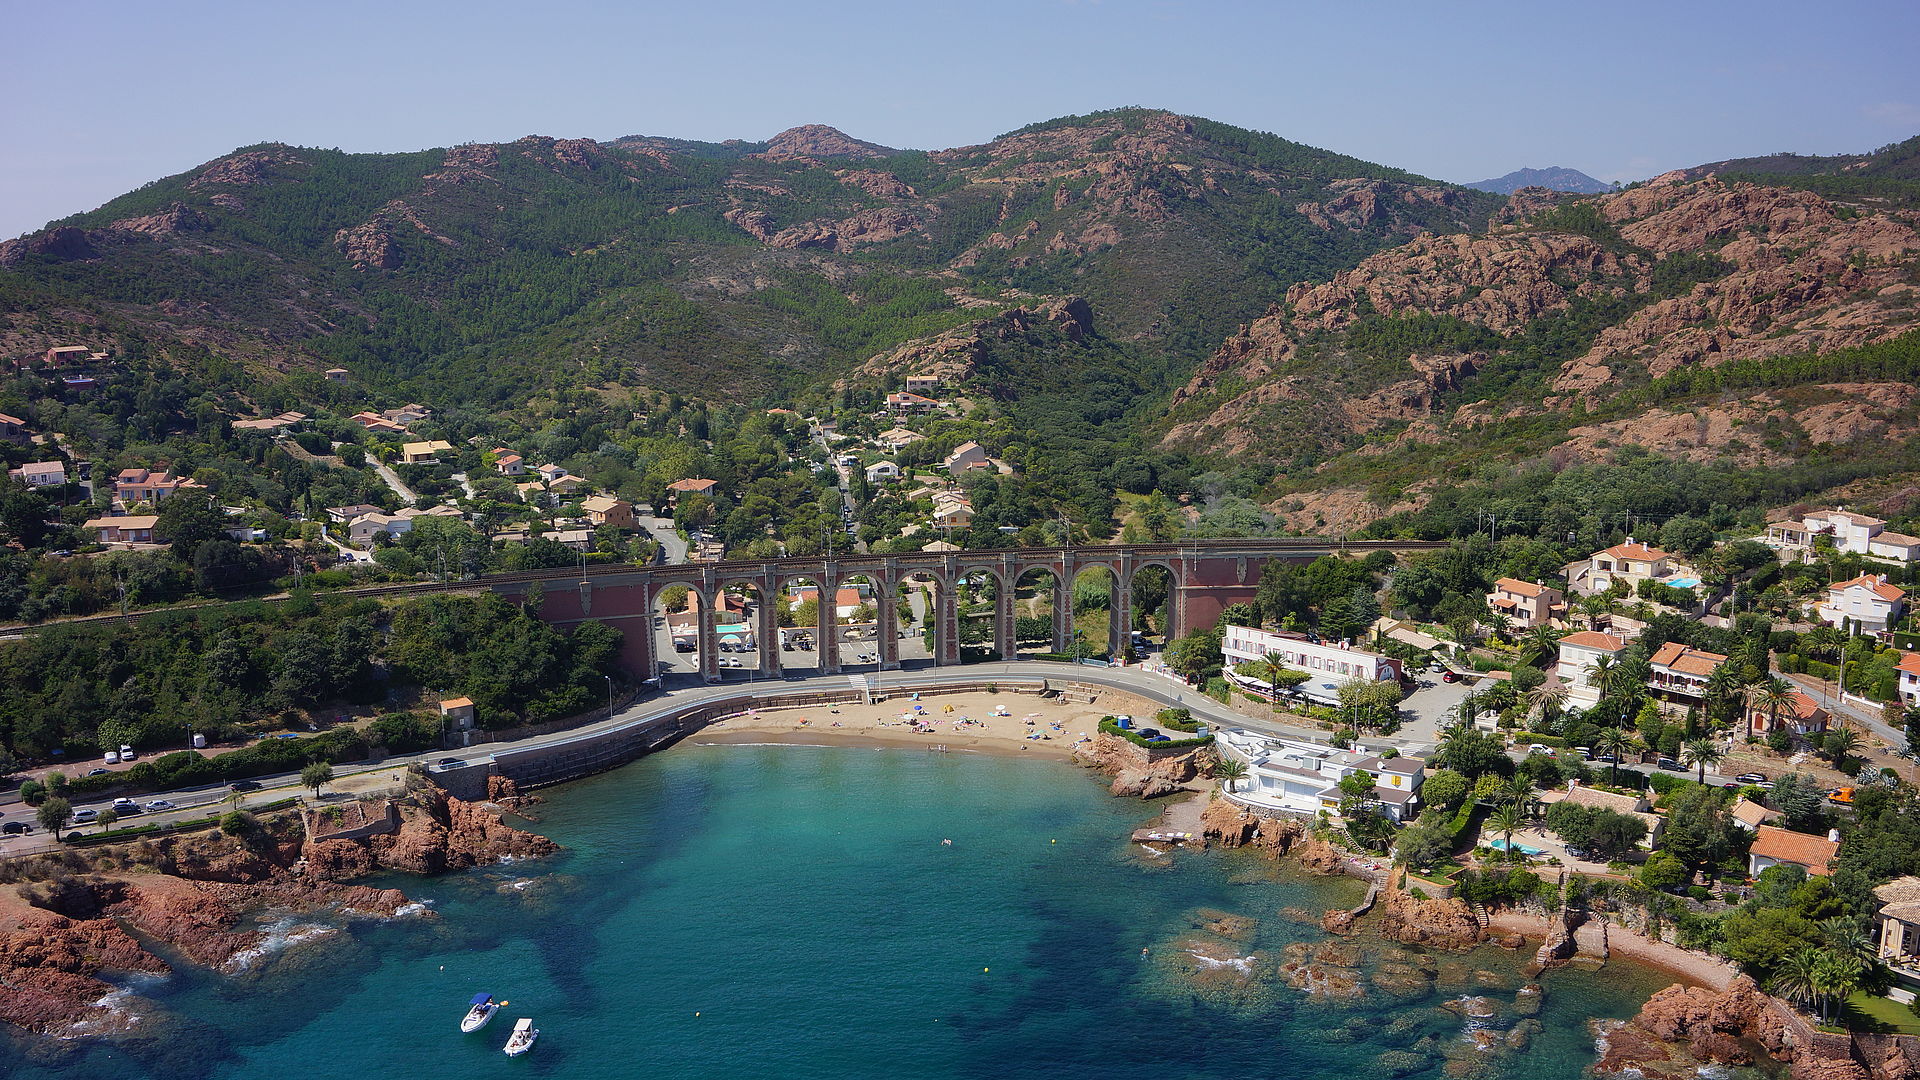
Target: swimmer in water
946	843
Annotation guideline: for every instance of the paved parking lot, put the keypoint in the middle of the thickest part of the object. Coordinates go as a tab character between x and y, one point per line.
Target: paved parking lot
1425	710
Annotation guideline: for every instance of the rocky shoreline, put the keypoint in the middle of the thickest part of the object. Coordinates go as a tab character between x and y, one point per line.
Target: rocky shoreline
70	920
1679	1032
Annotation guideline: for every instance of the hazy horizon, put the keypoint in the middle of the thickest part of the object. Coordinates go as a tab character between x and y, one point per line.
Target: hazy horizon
1620	95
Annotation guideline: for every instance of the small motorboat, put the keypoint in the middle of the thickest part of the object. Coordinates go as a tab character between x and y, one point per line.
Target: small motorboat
522	1038
479	1012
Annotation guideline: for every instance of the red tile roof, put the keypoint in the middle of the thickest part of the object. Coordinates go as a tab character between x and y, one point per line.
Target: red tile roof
1593	639
1518	587
1910	663
1780	845
1880	588
1686	659
1637	552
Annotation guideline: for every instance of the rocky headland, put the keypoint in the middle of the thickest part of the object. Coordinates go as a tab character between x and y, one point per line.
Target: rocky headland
71	922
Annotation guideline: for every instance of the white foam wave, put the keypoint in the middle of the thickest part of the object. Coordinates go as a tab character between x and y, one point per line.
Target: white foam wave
280	937
417	907
1242	964
116	1016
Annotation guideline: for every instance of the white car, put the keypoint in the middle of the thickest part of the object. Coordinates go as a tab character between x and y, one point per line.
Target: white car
1538	748
158	805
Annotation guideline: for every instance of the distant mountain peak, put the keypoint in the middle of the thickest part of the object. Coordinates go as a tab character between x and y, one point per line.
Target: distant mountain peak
821	141
1557	178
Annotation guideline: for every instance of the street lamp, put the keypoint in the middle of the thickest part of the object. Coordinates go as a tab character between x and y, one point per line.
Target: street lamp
609	679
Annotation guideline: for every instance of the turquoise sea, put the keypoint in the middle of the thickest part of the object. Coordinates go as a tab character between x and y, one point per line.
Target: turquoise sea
791	912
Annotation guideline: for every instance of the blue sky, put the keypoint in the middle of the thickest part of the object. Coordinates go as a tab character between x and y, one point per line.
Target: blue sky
100	97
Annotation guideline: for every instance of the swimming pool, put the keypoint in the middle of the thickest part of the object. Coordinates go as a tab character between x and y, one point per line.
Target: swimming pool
1682	582
1500	844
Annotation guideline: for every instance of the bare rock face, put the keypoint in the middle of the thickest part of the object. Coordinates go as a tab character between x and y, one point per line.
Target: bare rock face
251	167
955	354
820	141
883	185
50	968
66	244
174	219
1135	770
1442	924
1684	1025
448	834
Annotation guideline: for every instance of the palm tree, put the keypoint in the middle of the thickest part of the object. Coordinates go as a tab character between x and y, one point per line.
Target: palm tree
1840	742
1793	979
1538	644
1506	821
1723	687
1605	676
1518	792
1617	743
1772	695
1702	752
1544	701
1230	770
1835	977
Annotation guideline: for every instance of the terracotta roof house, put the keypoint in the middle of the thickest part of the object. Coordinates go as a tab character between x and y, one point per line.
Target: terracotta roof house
132	529
146	486
1636	805
607	510
425	453
376	422
12	428
1680	672
1779	847
1909	687
1578	655
335	374
968	455
41	473
1631	562
510	464
1867	601
345	514
923	384
1750	815
458	712
1526	604
895	438
910	403
271	423
690	486
1802	716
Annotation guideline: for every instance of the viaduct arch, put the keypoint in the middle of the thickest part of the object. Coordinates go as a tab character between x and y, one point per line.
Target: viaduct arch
1204	577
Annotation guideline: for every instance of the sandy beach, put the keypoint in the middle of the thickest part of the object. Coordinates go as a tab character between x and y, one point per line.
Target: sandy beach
1693	967
960	722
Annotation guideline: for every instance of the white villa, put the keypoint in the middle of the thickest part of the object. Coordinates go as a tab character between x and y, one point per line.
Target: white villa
1856	533
1328	665
1301	777
1867	601
1578	652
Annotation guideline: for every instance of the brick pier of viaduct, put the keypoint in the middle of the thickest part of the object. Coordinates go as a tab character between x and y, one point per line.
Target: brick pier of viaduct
1204	577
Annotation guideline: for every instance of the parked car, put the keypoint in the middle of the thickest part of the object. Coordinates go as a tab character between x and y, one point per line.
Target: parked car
124	805
448	762
1672	765
98	772
1751	778
1449	677
1539	748
1840	795
82	817
158	805
244	785
15	828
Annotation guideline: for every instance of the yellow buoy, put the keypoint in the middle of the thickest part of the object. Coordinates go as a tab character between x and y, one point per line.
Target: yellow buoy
986	969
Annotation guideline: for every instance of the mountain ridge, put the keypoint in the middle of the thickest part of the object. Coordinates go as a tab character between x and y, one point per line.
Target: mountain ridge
1553	178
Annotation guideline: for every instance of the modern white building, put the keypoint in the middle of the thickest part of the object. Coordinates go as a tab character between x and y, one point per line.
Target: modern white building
1301	777
1910	679
1856	533
1578	655
1328	666
1867	601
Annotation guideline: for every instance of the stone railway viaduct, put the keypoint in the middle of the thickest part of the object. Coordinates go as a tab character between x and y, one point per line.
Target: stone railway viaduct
1204	577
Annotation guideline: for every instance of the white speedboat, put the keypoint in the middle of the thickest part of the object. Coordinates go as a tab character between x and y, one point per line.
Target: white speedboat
522	1038
479	1013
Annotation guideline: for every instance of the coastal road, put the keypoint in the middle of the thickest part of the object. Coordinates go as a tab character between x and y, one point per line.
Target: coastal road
200	802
